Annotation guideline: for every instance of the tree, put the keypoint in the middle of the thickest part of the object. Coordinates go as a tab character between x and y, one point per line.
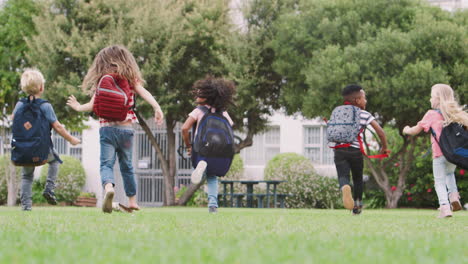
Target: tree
16	24
396	55
249	61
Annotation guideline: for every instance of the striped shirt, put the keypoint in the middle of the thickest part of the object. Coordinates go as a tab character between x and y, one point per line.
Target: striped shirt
131	116
365	119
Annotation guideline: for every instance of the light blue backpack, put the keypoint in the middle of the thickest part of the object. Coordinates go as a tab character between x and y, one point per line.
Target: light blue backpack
344	124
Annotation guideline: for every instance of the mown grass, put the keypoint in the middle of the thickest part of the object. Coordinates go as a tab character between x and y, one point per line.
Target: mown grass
191	235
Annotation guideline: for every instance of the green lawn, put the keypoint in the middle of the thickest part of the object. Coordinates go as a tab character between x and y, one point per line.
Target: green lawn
191	235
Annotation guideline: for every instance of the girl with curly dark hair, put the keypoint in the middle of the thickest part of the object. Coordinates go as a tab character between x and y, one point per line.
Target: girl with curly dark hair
215	95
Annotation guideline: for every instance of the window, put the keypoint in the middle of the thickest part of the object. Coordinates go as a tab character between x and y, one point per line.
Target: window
265	146
316	145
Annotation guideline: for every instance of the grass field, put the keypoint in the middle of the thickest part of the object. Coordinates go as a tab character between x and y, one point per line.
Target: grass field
191	235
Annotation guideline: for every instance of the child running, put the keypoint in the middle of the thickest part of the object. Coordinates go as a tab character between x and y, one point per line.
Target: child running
213	94
445	110
349	157
116	137
32	83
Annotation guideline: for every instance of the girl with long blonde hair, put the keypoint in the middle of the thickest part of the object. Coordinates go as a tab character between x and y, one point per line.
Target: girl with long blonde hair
116	64
445	110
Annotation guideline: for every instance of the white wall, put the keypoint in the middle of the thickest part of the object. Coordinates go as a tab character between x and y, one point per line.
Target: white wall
90	158
291	140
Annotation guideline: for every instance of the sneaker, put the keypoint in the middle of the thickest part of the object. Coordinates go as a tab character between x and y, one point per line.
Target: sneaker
455	201
348	201
445	211
26	208
107	203
213	210
50	197
357	209
197	174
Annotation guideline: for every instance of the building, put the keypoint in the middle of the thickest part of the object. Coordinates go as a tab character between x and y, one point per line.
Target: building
450	5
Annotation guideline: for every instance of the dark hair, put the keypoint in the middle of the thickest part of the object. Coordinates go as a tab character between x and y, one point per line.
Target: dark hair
218	92
351	89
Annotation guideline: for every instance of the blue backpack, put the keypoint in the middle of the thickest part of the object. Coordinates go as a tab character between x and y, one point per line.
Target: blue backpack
31	142
453	142
213	143
344	125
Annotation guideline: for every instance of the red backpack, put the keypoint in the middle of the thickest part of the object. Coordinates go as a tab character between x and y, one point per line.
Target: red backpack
112	98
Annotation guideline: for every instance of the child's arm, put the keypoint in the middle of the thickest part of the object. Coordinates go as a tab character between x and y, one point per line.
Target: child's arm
64	133
158	114
185	132
412	131
380	132
75	105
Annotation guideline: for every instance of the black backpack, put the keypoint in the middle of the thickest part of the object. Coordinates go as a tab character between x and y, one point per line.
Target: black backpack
453	142
213	143
31	134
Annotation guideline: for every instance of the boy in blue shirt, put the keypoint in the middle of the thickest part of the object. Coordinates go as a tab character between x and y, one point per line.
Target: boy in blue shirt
32	83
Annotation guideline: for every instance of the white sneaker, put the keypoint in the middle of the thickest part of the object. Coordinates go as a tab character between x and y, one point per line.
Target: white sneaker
445	211
197	174
348	201
107	203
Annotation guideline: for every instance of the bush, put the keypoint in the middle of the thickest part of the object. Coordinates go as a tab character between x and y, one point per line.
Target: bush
237	169
87	195
70	180
419	189
306	187
4	163
198	199
235	173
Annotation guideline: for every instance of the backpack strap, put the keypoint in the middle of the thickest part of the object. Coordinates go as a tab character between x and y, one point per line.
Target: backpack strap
205	110
434	135
27	101
361	147
433	131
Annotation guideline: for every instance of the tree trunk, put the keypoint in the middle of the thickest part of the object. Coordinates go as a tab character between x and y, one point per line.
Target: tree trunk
189	193
405	156
169	179
164	162
12	185
392	198
243	143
